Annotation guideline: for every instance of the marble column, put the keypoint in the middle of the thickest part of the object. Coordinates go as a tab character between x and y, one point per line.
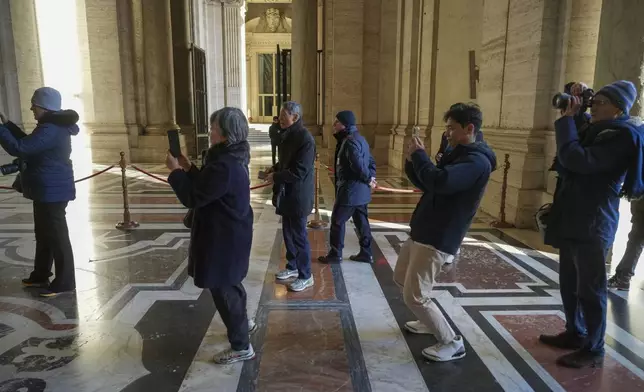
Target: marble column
234	53
159	67
103	87
26	51
184	99
516	77
304	60
620	50
160	98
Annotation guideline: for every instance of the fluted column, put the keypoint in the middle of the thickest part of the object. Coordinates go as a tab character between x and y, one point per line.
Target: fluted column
234	53
304	60
159	67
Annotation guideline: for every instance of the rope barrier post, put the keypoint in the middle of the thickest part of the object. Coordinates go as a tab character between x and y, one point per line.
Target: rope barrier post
127	223
317	223
502	224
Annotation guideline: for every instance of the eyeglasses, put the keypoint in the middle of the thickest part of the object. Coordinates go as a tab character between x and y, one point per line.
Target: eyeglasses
598	102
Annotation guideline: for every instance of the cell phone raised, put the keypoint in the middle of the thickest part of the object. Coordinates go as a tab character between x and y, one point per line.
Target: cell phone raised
173	143
262	175
415	132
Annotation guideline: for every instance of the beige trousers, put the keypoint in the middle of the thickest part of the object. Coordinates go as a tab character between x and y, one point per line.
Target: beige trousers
415	273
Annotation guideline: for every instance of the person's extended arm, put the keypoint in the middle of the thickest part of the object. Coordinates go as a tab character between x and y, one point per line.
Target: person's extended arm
597	158
447	180
411	174
200	187
42	139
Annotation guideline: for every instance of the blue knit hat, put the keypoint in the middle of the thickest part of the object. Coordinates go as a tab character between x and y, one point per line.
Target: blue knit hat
47	98
346	117
622	94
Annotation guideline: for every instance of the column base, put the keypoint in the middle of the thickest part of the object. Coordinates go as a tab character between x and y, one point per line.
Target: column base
106	142
153	149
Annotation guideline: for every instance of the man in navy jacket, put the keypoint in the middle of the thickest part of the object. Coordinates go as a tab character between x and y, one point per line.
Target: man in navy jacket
355	175
592	165
452	191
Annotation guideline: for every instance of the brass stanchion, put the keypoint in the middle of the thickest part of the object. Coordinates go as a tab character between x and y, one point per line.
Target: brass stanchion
127	223
317	223
502	224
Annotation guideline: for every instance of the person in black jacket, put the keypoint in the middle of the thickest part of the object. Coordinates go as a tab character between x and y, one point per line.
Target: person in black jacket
293	188
222	227
452	191
274	133
355	175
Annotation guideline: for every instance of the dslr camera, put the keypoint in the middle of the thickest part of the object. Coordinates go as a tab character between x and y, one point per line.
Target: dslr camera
10	168
561	100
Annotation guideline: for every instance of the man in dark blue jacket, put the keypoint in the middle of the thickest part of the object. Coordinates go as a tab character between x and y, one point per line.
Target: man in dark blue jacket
452	191
592	166
47	178
355	175
293	189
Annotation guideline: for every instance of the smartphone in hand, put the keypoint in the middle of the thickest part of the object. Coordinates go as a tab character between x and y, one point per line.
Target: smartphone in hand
173	143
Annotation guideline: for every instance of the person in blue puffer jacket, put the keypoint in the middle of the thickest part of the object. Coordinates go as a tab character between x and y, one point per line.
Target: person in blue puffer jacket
355	176
47	178
596	166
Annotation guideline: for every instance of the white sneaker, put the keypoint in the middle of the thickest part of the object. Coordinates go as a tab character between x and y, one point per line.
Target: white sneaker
446	352
231	356
301	284
252	327
417	327
286	274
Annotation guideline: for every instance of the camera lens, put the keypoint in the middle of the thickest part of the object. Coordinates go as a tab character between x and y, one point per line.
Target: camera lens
560	101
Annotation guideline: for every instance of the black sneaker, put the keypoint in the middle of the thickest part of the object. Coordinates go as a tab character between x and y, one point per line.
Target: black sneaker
362	258
29	282
564	340
329	259
581	359
619	282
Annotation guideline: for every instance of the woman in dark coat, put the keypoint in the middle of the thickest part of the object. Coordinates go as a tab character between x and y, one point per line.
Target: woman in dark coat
222	227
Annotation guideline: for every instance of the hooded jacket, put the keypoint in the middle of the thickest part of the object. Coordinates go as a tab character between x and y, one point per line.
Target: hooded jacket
354	168
46	171
221	232
595	169
452	192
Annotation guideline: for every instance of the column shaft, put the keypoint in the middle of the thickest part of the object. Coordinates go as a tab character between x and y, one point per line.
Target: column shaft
304	60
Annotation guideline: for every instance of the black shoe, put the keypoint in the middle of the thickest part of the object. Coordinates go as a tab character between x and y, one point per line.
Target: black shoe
619	282
362	257
329	259
54	293
29	282
581	359
564	340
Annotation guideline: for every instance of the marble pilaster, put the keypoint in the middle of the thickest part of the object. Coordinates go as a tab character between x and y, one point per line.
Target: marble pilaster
28	64
304	60
160	94
620	49
516	62
103	87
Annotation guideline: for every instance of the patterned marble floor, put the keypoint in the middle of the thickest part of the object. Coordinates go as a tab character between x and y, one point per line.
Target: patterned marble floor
138	324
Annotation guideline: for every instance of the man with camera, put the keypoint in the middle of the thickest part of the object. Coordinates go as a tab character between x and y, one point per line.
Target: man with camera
593	160
47	178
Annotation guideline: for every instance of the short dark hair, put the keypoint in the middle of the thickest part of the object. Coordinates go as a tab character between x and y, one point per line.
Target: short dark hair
465	114
275	118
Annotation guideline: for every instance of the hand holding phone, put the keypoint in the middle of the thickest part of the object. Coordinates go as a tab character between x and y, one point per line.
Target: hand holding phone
174	143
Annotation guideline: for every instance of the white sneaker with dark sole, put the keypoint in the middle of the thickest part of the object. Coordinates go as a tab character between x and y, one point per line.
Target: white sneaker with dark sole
286	274
231	356
417	327
301	284
441	352
252	326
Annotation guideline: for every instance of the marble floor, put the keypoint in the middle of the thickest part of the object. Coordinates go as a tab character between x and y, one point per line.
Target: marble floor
137	323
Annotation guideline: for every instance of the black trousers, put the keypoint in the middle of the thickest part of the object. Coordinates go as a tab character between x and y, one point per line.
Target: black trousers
274	151
339	218
230	302
53	246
